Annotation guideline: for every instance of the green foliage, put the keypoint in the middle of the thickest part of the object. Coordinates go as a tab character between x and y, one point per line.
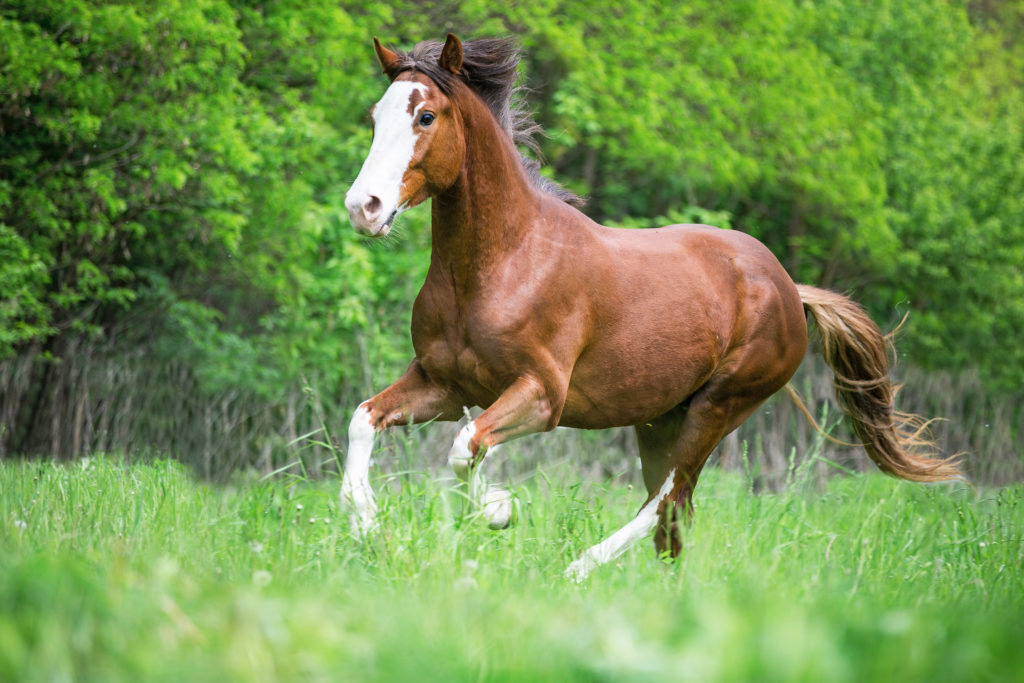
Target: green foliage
724	106
172	173
182	166
119	150
114	572
953	122
22	274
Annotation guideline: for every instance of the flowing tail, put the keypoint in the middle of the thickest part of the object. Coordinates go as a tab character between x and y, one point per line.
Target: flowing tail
857	352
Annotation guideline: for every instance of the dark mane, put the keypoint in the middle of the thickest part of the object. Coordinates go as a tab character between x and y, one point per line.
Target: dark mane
490	69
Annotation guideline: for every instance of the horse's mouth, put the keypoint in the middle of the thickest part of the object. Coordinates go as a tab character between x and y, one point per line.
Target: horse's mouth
385	227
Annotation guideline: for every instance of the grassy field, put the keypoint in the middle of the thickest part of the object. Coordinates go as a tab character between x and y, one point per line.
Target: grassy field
126	572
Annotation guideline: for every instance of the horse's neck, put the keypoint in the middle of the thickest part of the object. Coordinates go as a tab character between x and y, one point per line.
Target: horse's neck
491	208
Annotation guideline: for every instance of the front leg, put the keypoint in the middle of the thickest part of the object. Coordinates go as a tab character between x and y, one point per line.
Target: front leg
525	407
414	398
494	501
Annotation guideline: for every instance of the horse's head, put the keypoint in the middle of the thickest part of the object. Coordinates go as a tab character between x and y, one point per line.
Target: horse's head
418	144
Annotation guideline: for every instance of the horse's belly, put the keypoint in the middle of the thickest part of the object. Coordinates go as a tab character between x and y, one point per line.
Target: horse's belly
614	390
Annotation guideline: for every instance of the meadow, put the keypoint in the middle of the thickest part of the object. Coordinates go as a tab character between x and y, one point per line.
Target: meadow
112	570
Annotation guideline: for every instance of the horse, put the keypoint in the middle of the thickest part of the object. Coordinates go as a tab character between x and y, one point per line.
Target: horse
542	317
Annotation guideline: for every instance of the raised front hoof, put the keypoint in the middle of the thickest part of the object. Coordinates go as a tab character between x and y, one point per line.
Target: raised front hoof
460	457
498	508
579	570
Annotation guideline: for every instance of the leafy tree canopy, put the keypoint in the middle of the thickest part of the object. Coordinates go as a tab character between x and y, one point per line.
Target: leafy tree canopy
172	173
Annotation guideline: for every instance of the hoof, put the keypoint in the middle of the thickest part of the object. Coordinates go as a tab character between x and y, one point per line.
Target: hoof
580	569
498	509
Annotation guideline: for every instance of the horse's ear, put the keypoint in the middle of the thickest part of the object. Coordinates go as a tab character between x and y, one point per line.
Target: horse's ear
389	61
451	55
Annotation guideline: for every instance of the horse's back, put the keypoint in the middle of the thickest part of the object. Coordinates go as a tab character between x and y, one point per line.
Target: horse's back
722	276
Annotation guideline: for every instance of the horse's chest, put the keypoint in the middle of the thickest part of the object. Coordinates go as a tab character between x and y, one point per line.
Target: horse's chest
454	349
460	367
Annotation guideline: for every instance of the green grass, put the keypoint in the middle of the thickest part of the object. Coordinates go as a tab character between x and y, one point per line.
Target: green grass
129	572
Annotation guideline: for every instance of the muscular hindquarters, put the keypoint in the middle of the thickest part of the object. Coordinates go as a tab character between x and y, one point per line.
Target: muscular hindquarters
769	349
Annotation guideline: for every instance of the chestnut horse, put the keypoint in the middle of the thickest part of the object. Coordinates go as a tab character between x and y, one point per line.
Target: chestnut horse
541	316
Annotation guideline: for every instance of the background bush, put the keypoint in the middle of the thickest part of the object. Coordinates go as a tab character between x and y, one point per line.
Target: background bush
177	271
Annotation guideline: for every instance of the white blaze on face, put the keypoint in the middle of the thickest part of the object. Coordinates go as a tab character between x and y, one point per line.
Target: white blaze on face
372	201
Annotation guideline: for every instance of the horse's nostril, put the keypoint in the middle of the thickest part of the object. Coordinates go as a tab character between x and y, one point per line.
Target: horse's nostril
372	206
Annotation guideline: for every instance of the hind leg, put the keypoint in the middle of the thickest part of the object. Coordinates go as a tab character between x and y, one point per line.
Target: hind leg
714	411
659	441
679	443
741	384
673	450
656	439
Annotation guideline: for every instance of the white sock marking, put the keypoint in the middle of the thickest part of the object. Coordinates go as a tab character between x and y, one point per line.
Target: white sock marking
621	540
394	142
356	494
495	501
459	457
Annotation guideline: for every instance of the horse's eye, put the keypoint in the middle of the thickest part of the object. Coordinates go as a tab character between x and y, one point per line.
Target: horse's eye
426	119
